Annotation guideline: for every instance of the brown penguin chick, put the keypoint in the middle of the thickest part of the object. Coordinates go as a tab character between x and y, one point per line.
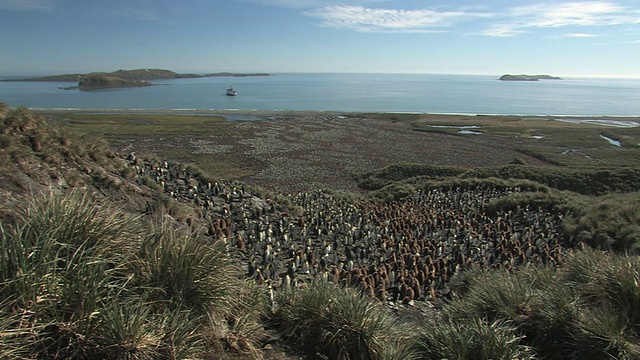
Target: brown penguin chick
362	285
421	277
334	275
409	296
239	242
403	290
432	294
369	292
417	291
311	257
382	283
370	281
382	295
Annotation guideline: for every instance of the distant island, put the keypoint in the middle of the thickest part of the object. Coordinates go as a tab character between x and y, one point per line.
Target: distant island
103	81
132	75
125	78
524	77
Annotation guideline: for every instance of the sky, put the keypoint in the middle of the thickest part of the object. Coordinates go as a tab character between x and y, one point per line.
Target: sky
598	38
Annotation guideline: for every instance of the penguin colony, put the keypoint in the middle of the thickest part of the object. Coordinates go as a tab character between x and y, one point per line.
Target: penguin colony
398	252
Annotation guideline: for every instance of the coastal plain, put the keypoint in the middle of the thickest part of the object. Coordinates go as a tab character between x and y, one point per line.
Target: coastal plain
291	151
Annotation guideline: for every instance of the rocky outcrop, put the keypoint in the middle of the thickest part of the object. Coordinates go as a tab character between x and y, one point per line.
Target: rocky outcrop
525	77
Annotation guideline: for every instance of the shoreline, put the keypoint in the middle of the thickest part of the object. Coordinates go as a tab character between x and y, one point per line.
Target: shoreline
269	113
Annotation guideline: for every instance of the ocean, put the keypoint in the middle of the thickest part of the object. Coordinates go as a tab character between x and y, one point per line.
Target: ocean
412	93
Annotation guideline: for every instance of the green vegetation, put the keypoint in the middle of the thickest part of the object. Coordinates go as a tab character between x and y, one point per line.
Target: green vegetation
582	181
112	126
340	323
587	309
102	81
80	279
94	267
525	77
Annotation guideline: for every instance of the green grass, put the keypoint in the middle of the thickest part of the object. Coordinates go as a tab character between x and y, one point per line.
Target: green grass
586	309
110	125
610	222
340	324
80	279
472	339
167	136
183	269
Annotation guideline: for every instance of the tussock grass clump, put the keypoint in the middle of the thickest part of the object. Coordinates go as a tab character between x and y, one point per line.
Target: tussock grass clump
611	223
583	181
558	202
498	295
472	339
183	269
340	324
79	279
392	192
376	180
588	308
59	239
63	261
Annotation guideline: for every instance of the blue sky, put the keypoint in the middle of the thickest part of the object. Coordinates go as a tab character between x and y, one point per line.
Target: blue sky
599	38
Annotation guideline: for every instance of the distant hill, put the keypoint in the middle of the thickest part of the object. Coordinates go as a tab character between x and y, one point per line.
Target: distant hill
236	74
103	81
137	74
150	74
525	77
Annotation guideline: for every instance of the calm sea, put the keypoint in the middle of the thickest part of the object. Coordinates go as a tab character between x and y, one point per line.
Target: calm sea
468	94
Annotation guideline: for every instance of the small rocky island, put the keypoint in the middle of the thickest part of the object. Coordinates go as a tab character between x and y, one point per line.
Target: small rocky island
525	77
104	81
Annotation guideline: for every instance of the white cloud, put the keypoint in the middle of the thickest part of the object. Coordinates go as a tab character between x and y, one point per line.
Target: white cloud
26	5
363	19
137	13
308	4
500	30
591	13
580	35
554	15
140	10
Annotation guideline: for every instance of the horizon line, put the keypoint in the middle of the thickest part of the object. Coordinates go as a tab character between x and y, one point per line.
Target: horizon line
567	76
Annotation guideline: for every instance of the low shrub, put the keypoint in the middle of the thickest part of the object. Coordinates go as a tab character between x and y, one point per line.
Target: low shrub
473	339
588	308
340	324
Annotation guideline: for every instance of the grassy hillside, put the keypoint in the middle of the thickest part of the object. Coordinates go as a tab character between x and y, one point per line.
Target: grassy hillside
103	81
109	255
